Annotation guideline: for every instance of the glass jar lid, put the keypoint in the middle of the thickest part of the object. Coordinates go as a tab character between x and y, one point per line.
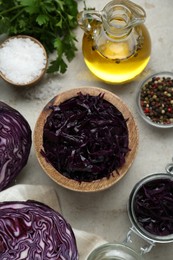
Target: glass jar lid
150	207
114	252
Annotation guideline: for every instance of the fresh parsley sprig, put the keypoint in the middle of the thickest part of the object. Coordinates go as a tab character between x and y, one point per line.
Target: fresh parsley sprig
50	21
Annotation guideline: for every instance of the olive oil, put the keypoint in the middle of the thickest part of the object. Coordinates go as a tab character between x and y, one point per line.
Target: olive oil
117	71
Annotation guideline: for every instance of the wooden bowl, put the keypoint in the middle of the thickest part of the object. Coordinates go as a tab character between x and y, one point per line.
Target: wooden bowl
96	185
39	76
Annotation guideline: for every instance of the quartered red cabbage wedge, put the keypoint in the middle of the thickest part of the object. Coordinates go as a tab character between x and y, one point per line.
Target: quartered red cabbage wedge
33	231
85	138
15	144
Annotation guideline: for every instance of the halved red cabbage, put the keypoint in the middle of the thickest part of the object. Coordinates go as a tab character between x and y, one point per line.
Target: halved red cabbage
33	231
85	138
153	207
15	144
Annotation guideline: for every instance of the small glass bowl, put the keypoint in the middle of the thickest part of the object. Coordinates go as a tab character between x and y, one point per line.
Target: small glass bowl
155	100
114	251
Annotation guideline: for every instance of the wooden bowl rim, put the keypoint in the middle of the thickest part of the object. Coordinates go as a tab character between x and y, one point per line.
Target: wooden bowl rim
100	184
43	71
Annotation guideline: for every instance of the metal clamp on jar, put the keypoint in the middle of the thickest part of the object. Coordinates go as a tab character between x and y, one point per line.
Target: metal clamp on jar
150	210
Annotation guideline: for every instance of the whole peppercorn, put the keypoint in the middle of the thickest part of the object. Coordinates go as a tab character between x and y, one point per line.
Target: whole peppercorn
156	99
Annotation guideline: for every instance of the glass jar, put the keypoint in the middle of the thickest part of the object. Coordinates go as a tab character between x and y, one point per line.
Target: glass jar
158	193
158	183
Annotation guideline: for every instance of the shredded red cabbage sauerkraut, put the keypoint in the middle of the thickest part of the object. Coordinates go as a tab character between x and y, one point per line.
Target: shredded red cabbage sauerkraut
85	138
33	231
153	207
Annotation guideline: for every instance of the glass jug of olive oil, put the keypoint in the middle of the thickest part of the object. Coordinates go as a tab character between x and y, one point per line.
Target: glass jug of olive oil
116	44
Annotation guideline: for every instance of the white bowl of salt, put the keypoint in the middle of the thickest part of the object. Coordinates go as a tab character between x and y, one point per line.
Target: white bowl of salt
23	60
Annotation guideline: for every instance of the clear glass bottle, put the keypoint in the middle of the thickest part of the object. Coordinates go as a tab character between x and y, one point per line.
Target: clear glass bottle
116	44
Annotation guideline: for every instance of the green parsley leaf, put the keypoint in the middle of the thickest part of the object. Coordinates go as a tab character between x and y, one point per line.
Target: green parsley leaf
31	6
59	46
42	19
4	24
57	65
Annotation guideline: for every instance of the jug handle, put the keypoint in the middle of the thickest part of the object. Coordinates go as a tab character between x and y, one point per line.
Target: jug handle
138	13
87	17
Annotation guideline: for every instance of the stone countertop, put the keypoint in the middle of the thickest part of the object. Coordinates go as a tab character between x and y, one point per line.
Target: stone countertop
105	213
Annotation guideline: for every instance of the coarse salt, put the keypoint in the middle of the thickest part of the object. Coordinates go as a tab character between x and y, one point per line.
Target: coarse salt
22	60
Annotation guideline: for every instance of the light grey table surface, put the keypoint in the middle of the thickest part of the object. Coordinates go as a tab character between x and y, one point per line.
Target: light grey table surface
104	213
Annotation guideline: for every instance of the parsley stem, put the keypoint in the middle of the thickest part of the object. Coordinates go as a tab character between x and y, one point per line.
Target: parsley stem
14	17
11	9
85	7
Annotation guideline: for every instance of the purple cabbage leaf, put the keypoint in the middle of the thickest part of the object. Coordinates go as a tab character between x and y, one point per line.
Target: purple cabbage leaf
15	144
32	230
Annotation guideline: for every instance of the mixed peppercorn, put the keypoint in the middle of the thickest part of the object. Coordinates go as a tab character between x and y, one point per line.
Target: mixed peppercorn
156	99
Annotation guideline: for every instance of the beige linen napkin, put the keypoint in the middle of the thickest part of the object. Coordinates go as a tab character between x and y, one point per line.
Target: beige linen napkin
86	242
